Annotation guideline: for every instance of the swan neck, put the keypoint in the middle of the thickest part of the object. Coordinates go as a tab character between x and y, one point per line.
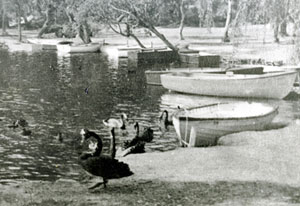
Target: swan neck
113	144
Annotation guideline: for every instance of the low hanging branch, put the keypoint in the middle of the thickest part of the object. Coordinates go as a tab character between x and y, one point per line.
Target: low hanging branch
144	23
127	34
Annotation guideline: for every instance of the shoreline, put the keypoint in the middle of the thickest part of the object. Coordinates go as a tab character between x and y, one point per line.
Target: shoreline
252	168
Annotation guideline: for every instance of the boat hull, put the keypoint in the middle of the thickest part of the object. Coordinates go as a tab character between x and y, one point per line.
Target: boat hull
206	131
270	85
65	48
153	77
45	44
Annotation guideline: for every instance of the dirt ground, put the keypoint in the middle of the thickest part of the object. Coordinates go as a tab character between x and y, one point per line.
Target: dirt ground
248	168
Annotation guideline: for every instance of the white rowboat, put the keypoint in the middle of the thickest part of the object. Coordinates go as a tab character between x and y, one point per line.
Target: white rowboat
84	48
153	77
275	85
203	125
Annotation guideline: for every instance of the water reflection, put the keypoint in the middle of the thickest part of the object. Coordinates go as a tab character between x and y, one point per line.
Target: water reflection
47	90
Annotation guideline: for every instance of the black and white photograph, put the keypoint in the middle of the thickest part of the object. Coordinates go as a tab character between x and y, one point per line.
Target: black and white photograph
149	102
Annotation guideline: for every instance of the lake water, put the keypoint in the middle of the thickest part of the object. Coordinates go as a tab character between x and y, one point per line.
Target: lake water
48	90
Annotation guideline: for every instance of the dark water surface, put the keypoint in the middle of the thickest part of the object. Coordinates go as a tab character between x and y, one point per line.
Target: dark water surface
48	91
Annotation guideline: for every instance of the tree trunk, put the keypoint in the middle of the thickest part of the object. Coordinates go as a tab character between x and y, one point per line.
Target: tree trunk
163	38
295	29
4	18
209	16
84	33
157	33
236	22
228	18
182	19
137	40
70	16
50	20
19	23
283	28
276	31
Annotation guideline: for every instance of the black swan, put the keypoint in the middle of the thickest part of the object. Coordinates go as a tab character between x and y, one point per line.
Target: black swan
14	125
59	137
86	134
20	122
26	132
116	123
105	166
137	144
147	134
86	90
164	118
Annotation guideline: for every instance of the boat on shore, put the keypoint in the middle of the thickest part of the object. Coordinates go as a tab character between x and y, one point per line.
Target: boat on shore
45	44
82	48
153	77
275	85
204	125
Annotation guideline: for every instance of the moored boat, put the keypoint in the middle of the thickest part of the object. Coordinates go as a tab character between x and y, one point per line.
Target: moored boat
153	77
84	48
275	85
204	125
45	44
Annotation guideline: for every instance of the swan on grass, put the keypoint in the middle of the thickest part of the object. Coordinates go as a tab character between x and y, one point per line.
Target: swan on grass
105	166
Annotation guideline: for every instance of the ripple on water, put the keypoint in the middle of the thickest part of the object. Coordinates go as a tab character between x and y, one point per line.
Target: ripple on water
2	150
14	168
17	156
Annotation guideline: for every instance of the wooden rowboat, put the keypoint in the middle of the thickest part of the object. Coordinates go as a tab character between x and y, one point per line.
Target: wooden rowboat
84	48
275	85
153	77
204	125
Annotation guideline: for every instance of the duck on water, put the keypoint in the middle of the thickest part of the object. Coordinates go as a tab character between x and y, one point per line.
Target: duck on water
105	166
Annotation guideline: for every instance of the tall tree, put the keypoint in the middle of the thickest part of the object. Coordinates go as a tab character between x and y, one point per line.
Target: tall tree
129	14
182	12
277	12
4	32
77	12
18	8
228	19
50	20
